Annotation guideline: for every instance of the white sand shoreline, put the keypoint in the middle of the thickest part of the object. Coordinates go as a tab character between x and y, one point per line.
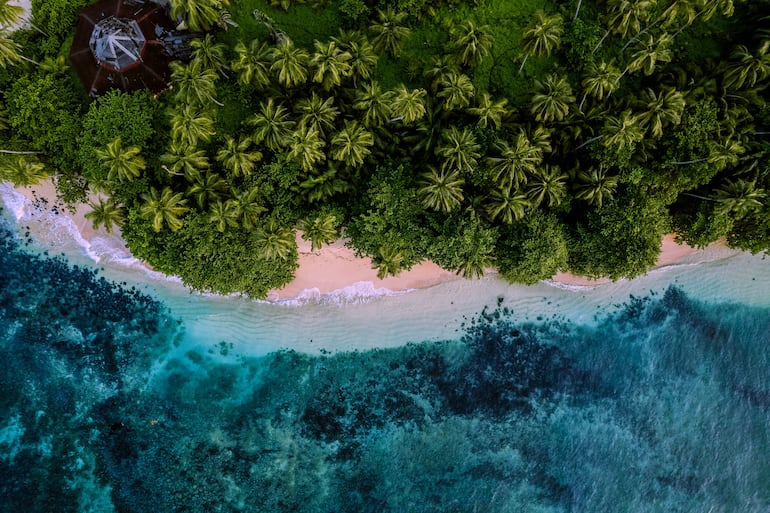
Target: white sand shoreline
335	269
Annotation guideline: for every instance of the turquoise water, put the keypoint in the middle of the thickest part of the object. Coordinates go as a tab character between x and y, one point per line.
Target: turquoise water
644	396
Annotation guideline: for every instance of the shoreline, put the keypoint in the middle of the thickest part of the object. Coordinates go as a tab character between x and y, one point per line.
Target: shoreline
334	268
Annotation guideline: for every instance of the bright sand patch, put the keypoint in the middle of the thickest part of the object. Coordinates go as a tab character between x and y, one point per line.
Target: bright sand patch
336	267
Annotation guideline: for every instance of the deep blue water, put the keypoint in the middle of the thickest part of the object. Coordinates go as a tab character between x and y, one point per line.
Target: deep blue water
661	406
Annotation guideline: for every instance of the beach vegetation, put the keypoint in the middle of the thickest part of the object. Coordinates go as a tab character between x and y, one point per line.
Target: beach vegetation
528	136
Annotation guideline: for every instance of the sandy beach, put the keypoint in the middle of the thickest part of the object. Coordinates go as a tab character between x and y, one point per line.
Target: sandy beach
333	267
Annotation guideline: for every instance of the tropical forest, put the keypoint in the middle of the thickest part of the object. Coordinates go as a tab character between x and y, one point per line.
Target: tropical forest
526	137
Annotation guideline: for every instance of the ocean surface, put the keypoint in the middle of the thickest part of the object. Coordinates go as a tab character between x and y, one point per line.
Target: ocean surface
121	391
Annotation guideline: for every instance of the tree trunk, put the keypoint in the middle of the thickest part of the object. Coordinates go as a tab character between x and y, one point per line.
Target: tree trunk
686	162
699	197
582	101
577	10
521	68
11	152
589	141
601	41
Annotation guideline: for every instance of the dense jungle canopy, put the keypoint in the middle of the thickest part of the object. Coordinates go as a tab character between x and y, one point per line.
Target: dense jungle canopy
531	136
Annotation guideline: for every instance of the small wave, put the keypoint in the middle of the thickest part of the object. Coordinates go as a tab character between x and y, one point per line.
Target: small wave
570	286
358	293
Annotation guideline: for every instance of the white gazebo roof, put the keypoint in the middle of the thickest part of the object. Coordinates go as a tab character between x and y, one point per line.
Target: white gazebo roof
117	42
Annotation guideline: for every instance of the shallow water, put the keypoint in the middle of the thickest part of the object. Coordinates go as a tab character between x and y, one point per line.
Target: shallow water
634	396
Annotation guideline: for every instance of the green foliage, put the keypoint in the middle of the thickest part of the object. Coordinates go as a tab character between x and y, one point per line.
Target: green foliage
532	249
621	239
394	218
45	110
209	260
57	18
132	117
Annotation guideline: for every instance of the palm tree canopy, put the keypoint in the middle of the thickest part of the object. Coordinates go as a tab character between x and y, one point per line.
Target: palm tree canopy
489	112
199	15
470	43
290	63
252	63
331	64
319	230
189	125
352	144
552	99
459	149
408	105
236	157
165	207
596	186
374	104
272	125
441	190
389	31
545	35
105	213
457	91
122	164
209	53
317	112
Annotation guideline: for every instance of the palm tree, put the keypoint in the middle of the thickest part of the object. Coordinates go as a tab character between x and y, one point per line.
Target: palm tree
596	186
600	82
679	9
207	188
10	53
440	68
661	109
122	164
198	15
547	182
363	58
543	37
552	100
459	149
190	125
741	197
272	125
351	145
408	106
387	261
441	190
210	54
470	43
306	146
106	213
456	90
331	64
184	160
236	157
625	16
275	241
247	206
322	185
649	53
721	154
194	84
490	113
10	15
317	112
515	162
320	230
389	31
745	68
165	207
252	64
621	131
23	171
223	214
374	104
290	63
508	204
